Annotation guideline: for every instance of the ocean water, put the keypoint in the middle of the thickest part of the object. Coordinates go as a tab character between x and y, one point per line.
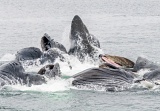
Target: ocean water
128	28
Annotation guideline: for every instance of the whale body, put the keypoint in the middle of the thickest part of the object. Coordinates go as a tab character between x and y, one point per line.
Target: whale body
111	79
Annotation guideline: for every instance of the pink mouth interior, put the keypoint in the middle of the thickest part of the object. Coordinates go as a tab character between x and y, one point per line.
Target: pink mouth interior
110	62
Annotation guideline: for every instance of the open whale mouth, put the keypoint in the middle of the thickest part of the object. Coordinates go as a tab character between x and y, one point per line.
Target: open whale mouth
45	42
109	61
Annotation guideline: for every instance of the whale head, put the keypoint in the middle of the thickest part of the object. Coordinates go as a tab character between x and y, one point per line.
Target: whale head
50	71
33	79
29	53
46	42
79	37
13	67
143	63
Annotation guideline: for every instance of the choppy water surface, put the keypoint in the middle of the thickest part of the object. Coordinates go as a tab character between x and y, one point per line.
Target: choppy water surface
128	28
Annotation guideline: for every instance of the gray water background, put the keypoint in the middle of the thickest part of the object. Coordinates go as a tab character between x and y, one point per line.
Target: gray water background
128	28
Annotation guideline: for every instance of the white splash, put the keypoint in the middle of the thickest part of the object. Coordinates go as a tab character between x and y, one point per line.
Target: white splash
65	38
142	72
58	84
51	86
77	66
61	84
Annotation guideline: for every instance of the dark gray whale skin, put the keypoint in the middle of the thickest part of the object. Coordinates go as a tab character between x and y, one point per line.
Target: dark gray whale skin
109	78
143	63
47	43
51	50
13	73
29	53
50	55
82	42
50	70
153	75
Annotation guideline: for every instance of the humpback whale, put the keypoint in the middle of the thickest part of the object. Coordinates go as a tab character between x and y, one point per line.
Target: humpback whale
111	79
82	42
12	73
29	53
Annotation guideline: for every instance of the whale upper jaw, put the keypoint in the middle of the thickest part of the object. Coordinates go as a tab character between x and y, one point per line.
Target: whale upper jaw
79	32
78	26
